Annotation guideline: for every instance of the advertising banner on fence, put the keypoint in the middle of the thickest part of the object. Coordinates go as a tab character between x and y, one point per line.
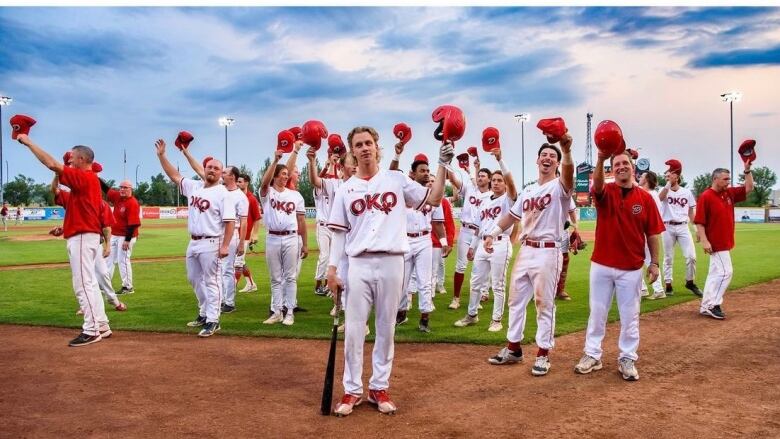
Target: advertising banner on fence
774	215
182	212
150	212
749	214
42	213
167	213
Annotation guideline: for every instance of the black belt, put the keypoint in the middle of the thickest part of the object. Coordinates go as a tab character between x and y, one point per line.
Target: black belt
198	238
676	223
497	238
417	235
540	244
282	232
322	223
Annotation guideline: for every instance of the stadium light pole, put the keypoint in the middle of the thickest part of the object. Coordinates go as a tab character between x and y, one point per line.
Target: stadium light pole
136	175
4	100
226	122
522	118
731	97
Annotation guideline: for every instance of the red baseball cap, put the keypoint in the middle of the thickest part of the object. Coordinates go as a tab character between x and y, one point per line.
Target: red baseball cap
452	123
285	141
420	158
633	153
609	138
554	129
21	124
402	132
472	150
207	160
463	160
747	151
490	140
674	166
183	140
336	145
97	168
297	132
313	132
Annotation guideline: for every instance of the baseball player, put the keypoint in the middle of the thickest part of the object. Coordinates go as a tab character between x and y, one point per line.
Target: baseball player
560	291
211	222
473	191
19	216
124	232
292	184
419	259
542	208
649	181
678	209
715	227
285	243
322	201
368	220
627	219
4	215
250	238
493	262
81	229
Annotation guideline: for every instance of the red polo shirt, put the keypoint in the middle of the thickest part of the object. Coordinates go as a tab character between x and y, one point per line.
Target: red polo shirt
82	206
449	225
623	221
127	212
715	211
253	216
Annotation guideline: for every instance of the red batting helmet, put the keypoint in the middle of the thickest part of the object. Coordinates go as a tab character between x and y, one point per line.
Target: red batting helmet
313	132
183	140
420	158
402	132
452	123
336	145
463	160
472	150
674	166
609	138
97	168
554	129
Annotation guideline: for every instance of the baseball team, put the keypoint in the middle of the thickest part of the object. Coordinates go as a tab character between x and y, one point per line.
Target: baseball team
383	235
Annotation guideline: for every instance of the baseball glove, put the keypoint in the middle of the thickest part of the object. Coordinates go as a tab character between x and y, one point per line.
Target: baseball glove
576	243
57	231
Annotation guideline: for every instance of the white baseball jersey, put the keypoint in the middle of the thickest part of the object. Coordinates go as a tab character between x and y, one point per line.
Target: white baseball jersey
677	203
658	203
280	209
321	205
473	200
241	202
419	220
373	212
543	210
326	194
490	211
208	208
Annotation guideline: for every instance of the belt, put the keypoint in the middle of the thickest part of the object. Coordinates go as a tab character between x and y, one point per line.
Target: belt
198	238
417	235
470	226
322	223
676	223
282	232
497	238
540	244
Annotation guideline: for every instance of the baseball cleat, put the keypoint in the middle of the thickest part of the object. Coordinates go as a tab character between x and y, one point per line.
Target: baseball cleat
249	288
645	293
541	366
401	318
563	296
120	307
84	339
199	321
209	329
347	403
657	295
382	400
441	291
423	326
495	326
455	304
694	289
505	356
627	368
125	290
105	332
713	312
275	318
227	309
669	290
588	364
467	321
321	291
289	319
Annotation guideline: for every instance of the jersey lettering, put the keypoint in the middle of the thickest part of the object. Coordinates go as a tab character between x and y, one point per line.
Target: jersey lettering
537	203
199	203
382	202
288	207
682	202
475	201
491	213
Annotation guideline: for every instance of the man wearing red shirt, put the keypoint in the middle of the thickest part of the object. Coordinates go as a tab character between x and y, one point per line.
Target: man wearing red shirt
252	228
4	215
82	231
626	219
715	226
124	233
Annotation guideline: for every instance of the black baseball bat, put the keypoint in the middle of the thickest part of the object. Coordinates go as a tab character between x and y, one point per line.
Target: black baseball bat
330	370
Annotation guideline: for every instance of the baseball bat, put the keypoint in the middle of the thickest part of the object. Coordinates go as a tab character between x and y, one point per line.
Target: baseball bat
330	370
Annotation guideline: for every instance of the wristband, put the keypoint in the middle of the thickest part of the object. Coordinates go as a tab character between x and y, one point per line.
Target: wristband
496	231
443	242
397	157
655	263
502	165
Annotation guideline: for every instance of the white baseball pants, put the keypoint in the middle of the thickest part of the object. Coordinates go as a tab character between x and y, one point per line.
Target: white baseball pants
487	267
83	251
419	261
625	284
718	279
465	235
122	258
438	269
229	272
104	280
535	274
658	284
283	256
324	236
204	272
682	235
372	281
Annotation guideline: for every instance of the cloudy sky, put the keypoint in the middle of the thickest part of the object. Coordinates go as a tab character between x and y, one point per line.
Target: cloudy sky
119	78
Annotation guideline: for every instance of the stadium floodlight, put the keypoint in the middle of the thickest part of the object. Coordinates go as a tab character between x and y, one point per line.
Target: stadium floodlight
522	118
731	97
4	100
226	122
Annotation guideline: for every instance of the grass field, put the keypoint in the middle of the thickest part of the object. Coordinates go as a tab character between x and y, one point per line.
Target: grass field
164	300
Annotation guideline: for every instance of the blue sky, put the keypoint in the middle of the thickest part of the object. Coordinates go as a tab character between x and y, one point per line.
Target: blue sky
119	78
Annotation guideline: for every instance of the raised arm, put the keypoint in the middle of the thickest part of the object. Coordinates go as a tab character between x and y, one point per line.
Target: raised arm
168	168
748	177
194	163
269	173
567	164
55	183
511	189
399	148
43	156
314	176
598	174
293	159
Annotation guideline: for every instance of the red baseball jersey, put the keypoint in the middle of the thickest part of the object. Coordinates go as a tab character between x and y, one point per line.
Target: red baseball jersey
624	218
253	216
449	225
127	212
82	208
715	211
4	211
106	218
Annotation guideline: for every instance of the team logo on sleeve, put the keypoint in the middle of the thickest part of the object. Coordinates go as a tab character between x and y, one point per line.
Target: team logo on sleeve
281	206
382	202
199	203
537	203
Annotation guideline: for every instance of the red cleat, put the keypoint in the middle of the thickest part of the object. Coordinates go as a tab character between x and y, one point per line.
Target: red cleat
344	408
382	400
